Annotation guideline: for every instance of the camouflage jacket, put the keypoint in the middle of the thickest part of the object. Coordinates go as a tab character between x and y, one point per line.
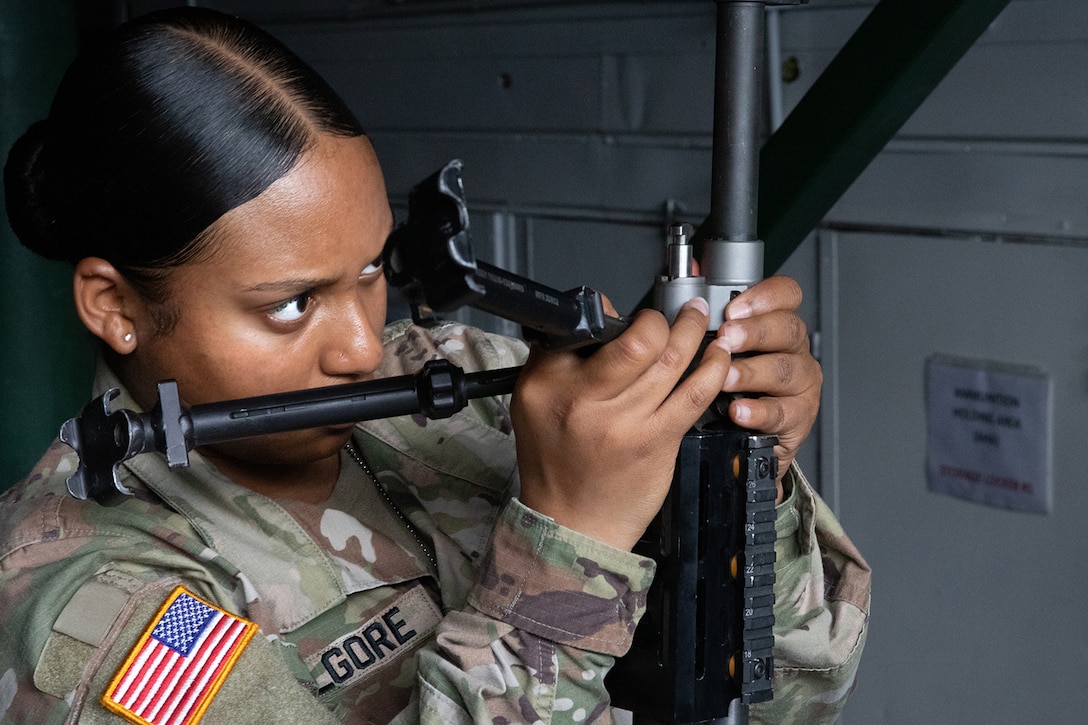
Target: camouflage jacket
420	591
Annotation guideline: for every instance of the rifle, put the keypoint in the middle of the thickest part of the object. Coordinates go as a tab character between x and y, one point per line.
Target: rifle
704	648
706	635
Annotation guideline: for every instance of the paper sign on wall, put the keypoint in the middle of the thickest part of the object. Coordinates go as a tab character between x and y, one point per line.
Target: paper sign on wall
989	433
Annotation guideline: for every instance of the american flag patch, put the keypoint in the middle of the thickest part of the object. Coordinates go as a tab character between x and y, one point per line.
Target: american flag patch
179	663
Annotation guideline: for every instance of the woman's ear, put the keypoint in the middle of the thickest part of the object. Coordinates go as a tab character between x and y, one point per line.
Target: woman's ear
106	303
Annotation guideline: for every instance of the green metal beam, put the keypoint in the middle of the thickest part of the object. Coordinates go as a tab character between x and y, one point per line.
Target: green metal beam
891	64
45	356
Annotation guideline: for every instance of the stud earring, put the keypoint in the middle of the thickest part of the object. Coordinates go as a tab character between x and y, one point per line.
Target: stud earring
128	337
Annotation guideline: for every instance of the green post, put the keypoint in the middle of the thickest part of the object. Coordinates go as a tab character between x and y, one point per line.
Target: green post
45	356
887	69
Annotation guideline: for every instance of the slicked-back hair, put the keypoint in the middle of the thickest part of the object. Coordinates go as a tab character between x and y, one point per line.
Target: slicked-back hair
169	122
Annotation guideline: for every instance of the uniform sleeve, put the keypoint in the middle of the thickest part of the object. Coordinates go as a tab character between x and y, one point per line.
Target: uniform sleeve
822	588
550	611
95	637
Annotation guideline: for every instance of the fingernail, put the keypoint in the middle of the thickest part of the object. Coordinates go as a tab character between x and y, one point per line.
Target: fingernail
738	310
742	413
731	379
721	344
733	336
700	304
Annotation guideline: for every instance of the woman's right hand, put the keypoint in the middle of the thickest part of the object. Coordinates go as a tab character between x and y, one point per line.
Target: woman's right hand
597	437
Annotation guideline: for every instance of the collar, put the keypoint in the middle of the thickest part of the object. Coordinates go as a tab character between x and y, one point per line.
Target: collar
285	574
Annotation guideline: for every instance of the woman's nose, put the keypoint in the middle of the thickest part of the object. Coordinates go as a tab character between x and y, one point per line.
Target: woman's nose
352	347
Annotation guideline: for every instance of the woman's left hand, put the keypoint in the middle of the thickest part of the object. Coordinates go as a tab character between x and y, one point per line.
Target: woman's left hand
763	319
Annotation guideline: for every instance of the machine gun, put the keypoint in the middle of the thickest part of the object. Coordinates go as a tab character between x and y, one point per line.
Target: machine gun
703	652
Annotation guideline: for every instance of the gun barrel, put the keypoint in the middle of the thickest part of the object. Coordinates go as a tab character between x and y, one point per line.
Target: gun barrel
439	390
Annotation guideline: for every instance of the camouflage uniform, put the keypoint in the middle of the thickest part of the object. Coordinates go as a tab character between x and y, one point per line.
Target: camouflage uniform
421	593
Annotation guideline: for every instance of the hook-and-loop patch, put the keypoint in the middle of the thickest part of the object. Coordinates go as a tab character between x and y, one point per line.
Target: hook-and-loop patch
179	663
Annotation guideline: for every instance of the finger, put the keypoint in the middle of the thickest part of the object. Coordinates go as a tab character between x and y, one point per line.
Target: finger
777	374
766	415
621	361
773	293
649	353
686	338
691	398
777	331
785	418
769	416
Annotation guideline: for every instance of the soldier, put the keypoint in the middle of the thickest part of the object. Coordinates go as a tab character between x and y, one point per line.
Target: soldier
225	214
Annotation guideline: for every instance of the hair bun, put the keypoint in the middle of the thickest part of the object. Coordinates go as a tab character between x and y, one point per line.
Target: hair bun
26	198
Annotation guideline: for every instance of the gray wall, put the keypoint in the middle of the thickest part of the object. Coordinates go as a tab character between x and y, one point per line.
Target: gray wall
580	125
968	236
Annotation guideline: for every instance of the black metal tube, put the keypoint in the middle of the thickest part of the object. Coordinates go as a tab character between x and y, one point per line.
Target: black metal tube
738	97
235	419
334	405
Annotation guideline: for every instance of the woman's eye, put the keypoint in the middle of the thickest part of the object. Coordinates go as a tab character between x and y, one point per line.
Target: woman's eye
292	309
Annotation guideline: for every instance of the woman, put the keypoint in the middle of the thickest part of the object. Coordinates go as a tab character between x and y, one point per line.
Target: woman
225	217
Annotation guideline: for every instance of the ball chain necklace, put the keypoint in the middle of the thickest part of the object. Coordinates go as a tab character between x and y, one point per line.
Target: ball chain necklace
389	500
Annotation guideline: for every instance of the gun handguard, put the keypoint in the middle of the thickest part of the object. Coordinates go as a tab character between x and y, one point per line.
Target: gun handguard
704	649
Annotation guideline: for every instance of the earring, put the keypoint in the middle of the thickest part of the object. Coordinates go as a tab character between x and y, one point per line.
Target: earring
128	337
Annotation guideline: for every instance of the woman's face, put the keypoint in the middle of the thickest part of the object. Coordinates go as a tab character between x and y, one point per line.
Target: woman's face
292	297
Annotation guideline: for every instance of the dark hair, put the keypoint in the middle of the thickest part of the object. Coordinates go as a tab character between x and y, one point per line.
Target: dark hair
172	120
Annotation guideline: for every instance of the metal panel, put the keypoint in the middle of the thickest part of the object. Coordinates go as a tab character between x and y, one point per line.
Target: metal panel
650	74
966	596
561	175
1000	148
1009	190
999	86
